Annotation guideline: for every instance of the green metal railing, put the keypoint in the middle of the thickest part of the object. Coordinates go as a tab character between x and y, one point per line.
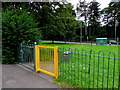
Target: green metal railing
86	69
89	69
27	55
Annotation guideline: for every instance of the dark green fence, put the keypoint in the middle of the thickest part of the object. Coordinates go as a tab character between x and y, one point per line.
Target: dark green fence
27	55
89	69
86	69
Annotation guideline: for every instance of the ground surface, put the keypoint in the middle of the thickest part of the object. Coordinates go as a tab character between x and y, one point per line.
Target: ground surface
14	76
105	48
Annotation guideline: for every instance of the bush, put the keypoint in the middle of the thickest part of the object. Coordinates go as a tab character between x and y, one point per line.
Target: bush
17	27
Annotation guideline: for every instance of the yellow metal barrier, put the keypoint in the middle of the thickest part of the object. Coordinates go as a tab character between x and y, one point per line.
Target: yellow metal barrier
42	59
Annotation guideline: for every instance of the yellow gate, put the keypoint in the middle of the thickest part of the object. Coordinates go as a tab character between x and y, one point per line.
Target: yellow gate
47	60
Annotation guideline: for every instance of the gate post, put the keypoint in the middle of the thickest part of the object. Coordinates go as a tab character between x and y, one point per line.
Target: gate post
37	58
56	61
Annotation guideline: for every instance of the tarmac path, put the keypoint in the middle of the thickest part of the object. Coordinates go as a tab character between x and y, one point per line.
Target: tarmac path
14	76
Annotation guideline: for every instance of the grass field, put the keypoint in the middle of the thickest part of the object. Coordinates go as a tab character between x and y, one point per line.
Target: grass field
87	69
96	48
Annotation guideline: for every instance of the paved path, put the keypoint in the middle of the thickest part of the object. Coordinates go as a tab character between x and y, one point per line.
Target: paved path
14	76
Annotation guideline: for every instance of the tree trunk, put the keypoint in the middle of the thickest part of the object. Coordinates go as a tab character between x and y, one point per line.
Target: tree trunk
52	41
65	41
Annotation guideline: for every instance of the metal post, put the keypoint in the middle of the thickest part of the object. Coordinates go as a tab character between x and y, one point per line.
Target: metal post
35	43
37	58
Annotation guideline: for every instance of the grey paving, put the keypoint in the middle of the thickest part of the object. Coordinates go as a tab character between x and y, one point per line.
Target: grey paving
14	76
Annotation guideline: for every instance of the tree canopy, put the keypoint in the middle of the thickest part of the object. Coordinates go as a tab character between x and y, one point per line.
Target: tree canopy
31	21
17	27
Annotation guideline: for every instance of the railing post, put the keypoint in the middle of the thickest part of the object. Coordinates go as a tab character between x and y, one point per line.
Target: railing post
37	58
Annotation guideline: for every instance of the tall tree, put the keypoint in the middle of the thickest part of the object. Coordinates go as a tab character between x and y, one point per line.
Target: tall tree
67	22
94	18
56	19
82	11
111	15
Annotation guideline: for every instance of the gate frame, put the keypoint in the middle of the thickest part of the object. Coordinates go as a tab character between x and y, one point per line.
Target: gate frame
37	60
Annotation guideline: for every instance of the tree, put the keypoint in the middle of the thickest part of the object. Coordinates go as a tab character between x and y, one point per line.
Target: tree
66	22
79	32
82	11
56	19
94	19
17	27
47	18
111	14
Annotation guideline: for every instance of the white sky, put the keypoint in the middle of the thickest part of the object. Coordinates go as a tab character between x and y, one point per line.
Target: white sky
104	3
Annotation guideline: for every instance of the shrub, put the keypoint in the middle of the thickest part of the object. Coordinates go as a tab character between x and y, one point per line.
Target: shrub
18	26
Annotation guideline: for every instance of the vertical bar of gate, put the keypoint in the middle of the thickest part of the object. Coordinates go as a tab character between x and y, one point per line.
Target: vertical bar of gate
56	61
37	58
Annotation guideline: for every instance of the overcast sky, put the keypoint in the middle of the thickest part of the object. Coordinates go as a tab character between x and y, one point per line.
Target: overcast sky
104	3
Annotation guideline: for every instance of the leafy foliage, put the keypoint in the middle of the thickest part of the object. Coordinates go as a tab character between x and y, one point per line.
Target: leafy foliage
66	22
56	21
111	14
18	27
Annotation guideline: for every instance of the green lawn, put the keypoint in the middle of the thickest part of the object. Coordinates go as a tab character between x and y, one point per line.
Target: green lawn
86	69
96	48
